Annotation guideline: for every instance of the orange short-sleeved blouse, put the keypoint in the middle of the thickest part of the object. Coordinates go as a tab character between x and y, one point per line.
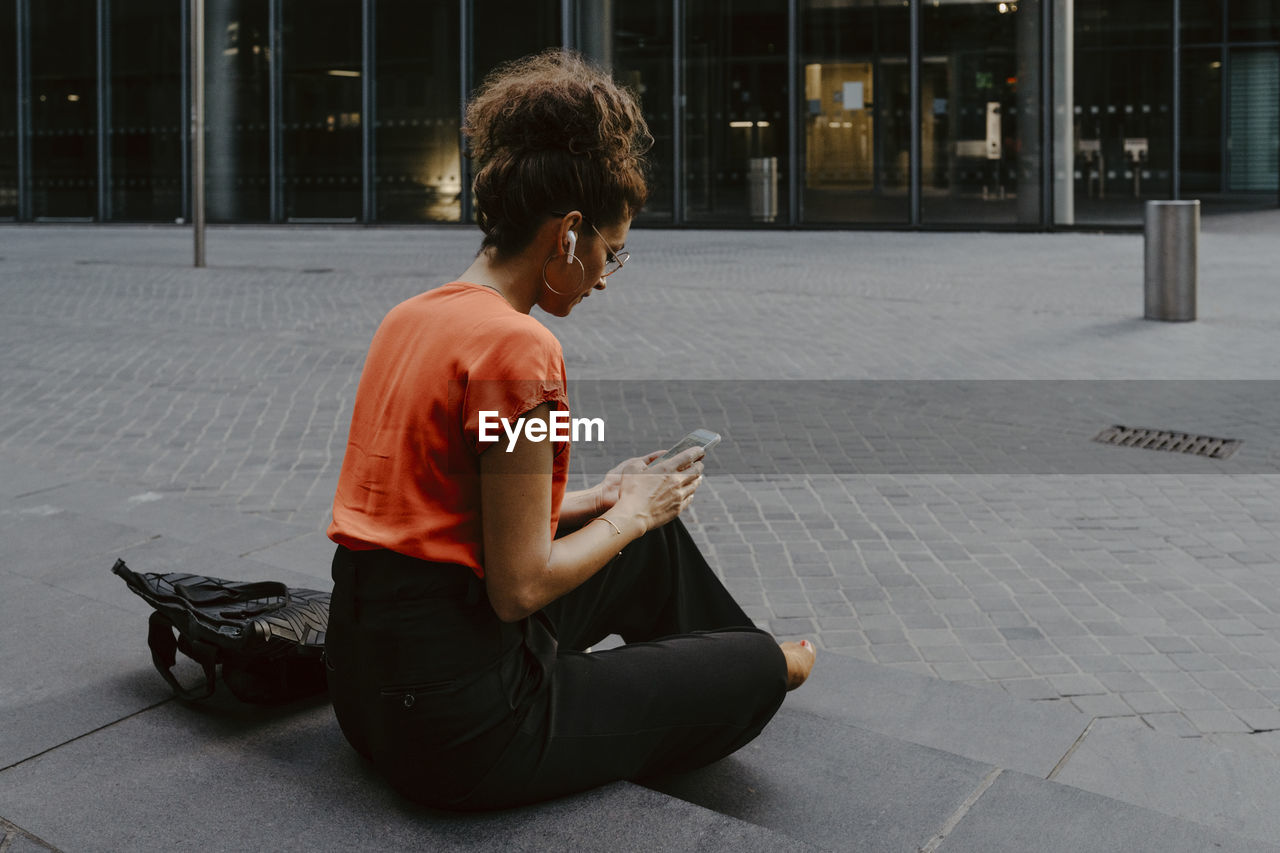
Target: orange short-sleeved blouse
410	479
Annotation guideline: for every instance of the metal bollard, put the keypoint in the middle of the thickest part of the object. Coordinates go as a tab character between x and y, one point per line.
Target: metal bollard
762	188
1172	244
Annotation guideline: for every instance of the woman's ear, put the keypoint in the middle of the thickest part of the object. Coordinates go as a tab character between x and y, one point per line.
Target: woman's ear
566	233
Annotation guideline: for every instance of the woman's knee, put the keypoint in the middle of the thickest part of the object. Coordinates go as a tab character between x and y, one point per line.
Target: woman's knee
766	658
743	668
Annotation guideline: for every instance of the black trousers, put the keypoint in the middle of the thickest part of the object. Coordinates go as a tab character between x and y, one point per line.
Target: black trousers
461	710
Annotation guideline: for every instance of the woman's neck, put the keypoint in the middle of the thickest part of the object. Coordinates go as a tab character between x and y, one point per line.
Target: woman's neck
512	279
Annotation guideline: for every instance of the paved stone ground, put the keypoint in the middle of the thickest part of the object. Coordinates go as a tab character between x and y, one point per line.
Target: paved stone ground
962	527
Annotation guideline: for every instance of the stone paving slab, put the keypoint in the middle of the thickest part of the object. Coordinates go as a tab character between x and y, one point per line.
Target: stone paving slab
214	779
41	541
834	786
73	649
17	479
1020	813
309	554
1187	778
19	841
22	844
70	664
173	515
982	725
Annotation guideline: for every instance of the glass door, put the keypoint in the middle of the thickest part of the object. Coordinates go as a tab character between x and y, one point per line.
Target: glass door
854	112
634	40
418	162
8	114
146	111
64	110
1123	110
321	138
980	113
735	113
1202	149
237	111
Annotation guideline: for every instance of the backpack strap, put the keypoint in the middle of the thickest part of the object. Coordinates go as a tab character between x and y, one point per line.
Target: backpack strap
164	649
211	592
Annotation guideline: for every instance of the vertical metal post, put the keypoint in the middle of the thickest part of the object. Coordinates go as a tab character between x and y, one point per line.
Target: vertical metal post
24	111
368	111
1064	98
1030	58
1047	156
184	107
464	86
1176	167
677	112
275	110
916	130
103	15
566	25
1224	96
877	104
793	112
197	129
593	31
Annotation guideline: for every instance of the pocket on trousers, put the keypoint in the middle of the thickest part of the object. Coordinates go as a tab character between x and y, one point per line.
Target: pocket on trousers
437	739
431	715
410	694
413	722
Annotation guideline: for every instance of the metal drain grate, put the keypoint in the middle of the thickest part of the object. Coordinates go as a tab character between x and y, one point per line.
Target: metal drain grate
1173	442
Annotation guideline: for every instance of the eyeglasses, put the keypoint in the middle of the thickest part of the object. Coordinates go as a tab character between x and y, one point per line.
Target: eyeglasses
614	261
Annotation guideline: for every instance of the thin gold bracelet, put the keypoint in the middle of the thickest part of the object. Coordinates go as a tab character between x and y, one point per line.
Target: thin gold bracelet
609	522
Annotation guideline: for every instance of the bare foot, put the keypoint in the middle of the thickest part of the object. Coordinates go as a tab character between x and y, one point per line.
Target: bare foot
800	657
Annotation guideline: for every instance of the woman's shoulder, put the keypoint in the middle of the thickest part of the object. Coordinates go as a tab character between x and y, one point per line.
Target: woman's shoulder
470	317
488	313
452	297
515	333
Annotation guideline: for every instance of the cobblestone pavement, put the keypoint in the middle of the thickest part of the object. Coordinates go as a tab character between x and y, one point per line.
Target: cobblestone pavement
961	527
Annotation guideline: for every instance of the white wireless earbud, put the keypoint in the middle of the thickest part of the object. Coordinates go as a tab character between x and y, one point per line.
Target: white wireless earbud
573	245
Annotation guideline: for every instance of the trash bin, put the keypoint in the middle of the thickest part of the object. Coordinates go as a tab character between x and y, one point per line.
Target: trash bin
1172	245
762	189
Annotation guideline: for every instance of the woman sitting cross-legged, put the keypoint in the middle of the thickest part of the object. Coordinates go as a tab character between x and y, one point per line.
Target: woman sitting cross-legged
468	585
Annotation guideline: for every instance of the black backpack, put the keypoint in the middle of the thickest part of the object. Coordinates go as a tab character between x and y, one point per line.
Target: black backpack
268	638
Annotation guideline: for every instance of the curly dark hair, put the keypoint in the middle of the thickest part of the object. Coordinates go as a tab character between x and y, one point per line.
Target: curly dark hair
548	134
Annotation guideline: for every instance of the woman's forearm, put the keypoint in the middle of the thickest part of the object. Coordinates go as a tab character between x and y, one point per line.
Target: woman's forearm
520	583
525	568
577	508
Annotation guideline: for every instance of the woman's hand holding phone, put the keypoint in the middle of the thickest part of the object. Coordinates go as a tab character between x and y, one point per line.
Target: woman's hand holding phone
659	485
609	489
656	493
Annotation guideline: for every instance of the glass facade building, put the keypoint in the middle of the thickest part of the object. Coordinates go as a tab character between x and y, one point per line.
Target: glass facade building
941	114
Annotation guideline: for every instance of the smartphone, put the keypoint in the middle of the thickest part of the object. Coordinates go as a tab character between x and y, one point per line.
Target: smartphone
704	438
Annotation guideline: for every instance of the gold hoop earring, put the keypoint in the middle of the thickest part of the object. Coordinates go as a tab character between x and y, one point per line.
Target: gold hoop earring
582	276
